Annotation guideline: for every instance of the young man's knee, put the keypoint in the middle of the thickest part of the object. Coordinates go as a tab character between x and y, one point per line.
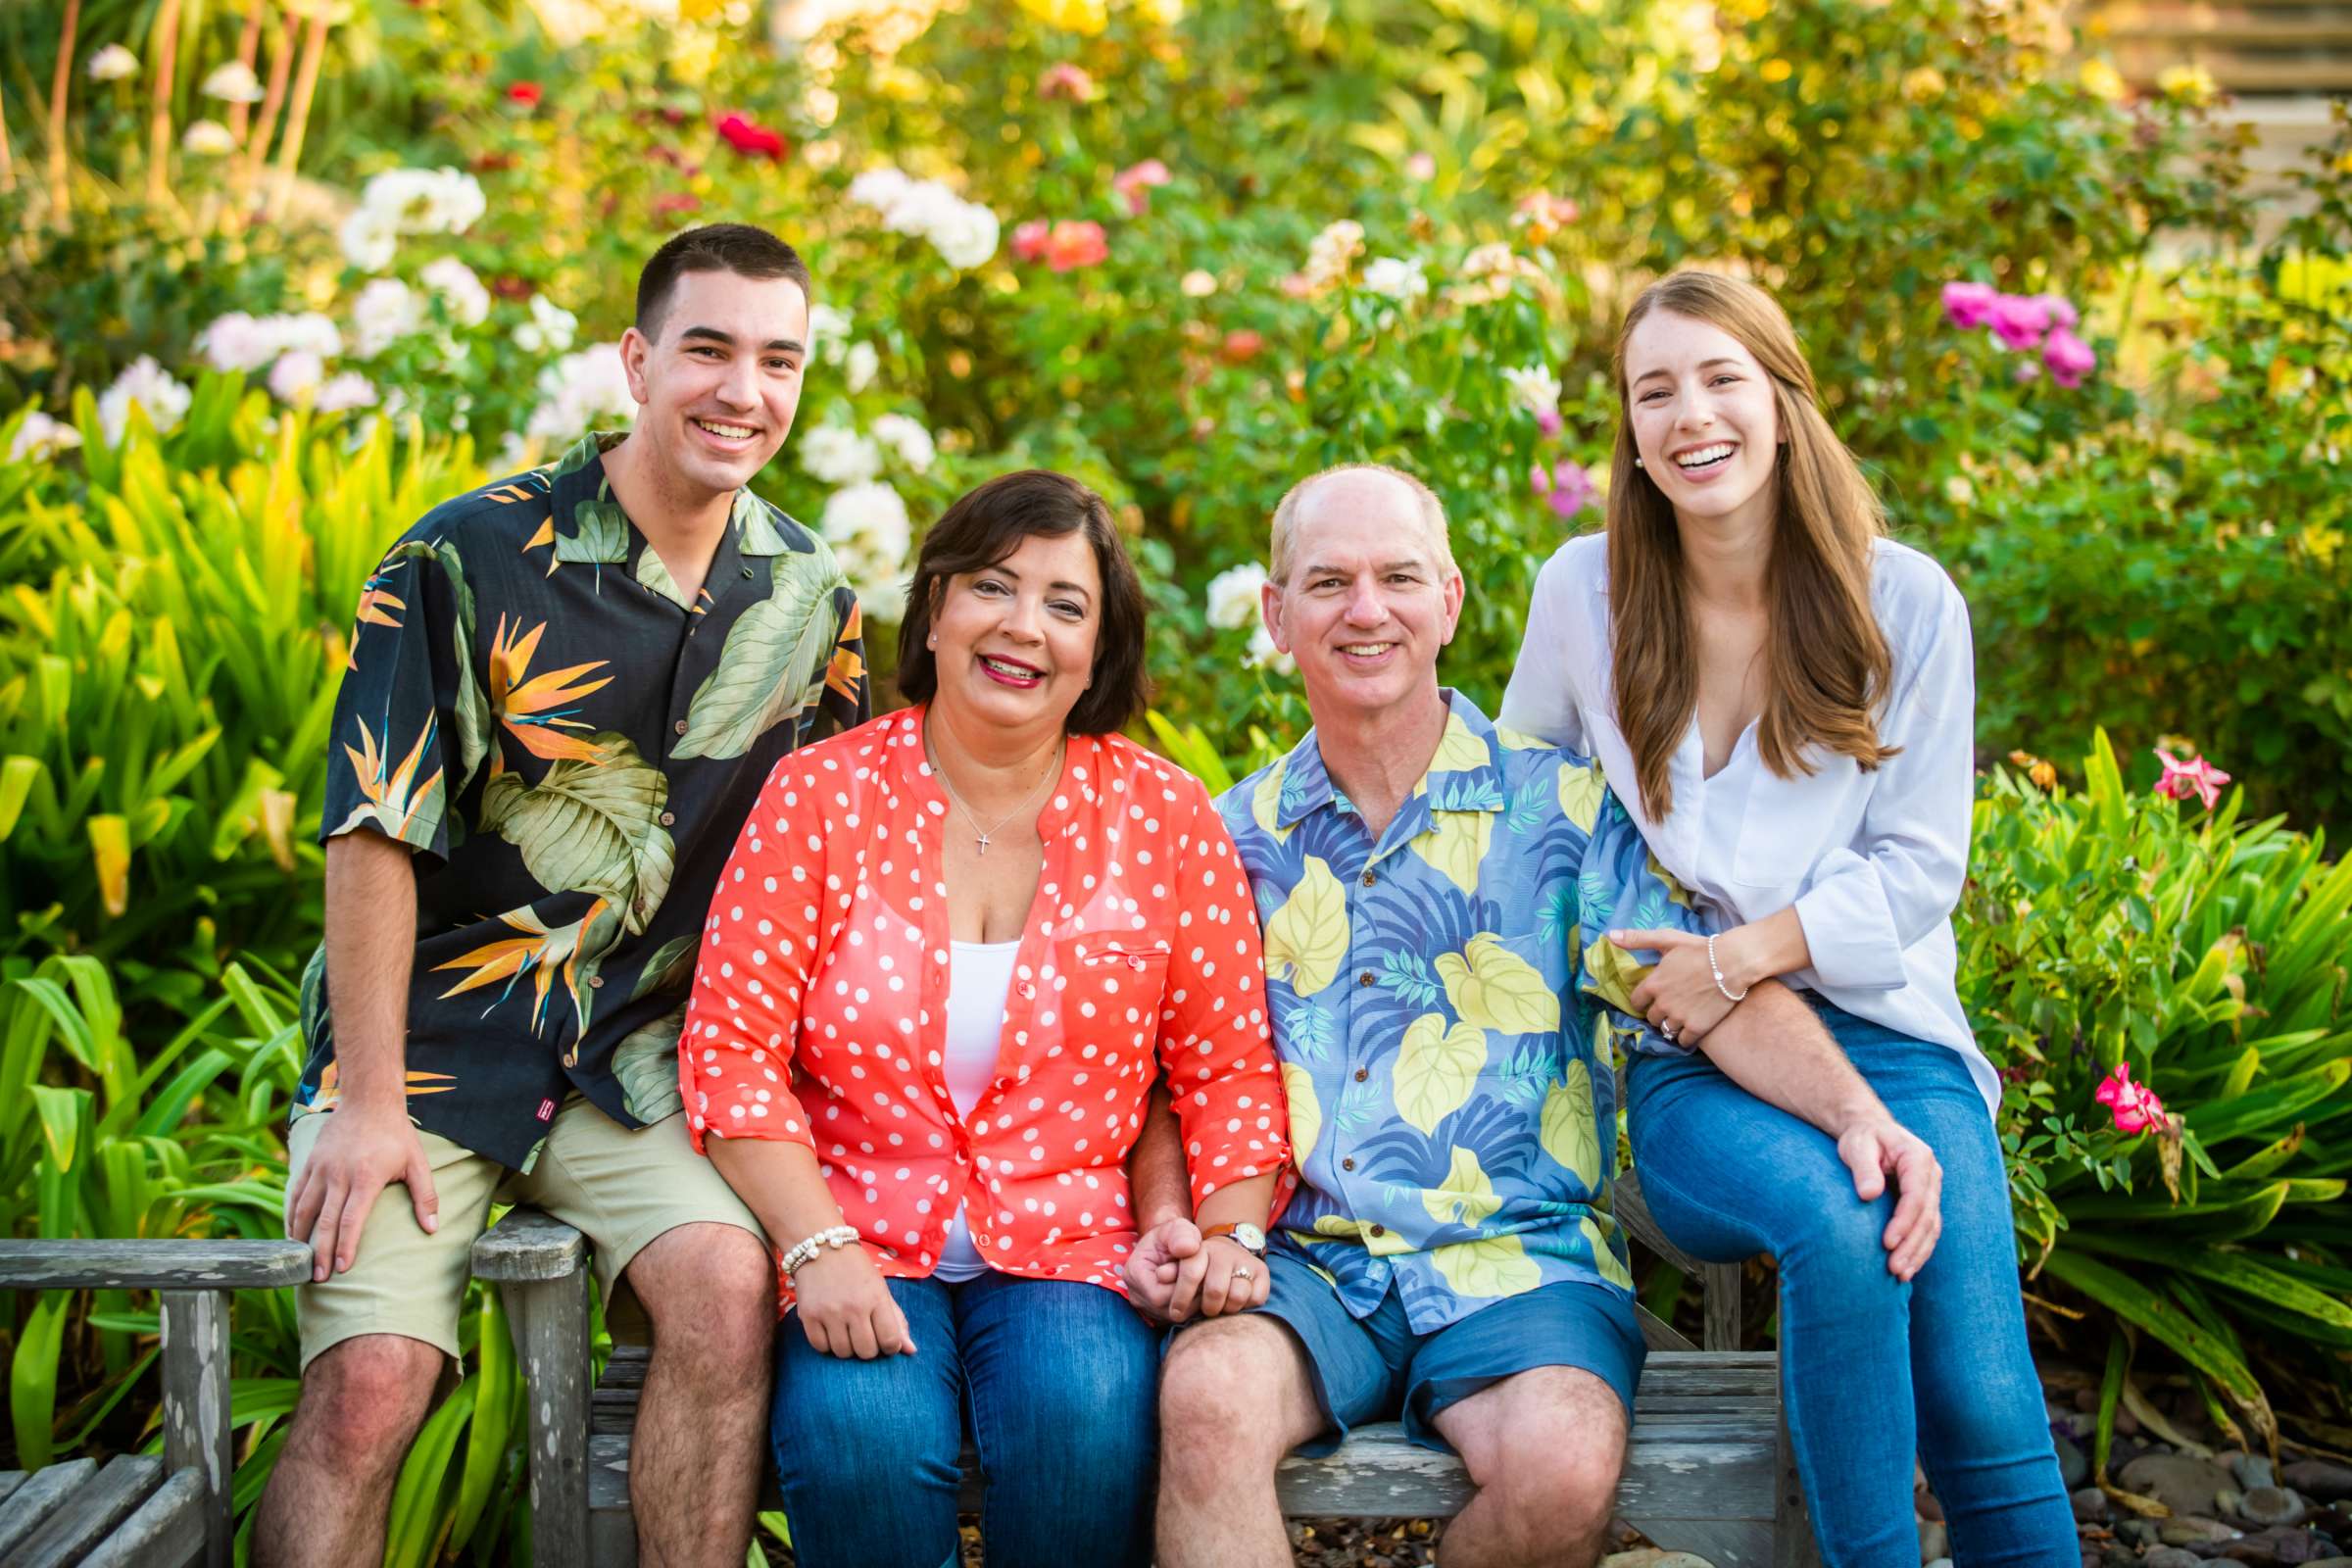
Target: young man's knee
365	1397
710	1291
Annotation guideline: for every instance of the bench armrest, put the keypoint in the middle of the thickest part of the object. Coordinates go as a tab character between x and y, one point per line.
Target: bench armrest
165	1265
528	1245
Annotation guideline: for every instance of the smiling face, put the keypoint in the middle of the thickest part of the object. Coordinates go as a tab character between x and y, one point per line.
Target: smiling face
1369	601
721	380
1015	641
1702	415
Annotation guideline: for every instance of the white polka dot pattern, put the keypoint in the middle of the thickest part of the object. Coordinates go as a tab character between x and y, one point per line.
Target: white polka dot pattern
819	1008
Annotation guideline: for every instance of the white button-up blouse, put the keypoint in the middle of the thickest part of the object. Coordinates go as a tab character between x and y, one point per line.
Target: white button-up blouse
1873	862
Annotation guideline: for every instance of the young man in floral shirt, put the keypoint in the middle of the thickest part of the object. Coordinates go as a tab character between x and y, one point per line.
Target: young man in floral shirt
564	693
1435	893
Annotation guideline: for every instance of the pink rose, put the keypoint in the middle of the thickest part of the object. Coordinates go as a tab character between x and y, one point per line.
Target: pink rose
2134	1106
1967	305
2019	320
1241	346
1074	243
2193	777
1132	183
1029	239
751	138
1067	82
2069	358
2061	312
1567	489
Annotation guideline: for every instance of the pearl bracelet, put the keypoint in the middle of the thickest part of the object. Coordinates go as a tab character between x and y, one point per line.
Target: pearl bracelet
834	1236
1718	969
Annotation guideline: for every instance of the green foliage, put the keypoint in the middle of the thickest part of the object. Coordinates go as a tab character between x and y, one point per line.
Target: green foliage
2210	958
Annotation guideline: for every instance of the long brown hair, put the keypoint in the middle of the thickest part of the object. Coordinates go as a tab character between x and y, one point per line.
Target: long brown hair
1827	665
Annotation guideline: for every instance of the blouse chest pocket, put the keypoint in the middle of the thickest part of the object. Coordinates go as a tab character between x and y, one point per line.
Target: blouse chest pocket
1787	824
1132	971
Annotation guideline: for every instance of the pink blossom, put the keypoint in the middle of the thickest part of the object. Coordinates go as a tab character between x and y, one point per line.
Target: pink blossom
2134	1106
1420	166
751	138
1074	243
2069	358
2194	776
2019	320
2026	370
1067	81
1029	240
1967	305
1548	421
1132	183
1567	489
2061	312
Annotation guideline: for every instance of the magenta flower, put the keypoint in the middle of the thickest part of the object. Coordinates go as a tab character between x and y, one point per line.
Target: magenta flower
1029	239
2019	320
1967	305
2061	312
1548	421
2193	777
1132	184
2069	358
2134	1106
1567	489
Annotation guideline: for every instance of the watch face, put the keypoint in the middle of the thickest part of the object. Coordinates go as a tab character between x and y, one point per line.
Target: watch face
1251	1236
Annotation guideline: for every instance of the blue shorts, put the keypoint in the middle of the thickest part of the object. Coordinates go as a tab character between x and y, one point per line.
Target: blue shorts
1375	1368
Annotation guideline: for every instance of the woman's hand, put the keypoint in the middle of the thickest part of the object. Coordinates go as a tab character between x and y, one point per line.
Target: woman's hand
846	1306
1679	997
1235	1279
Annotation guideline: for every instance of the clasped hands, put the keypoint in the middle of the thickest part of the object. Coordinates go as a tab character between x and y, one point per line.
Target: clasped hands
1173	1275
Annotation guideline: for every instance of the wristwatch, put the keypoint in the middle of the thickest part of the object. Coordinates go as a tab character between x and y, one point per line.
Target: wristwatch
1247	1237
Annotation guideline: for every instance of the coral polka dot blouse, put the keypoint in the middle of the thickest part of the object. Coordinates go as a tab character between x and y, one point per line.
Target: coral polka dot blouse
819	1004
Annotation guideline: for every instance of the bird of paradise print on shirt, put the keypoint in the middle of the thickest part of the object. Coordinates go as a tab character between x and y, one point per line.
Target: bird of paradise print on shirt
531	709
540	952
398	801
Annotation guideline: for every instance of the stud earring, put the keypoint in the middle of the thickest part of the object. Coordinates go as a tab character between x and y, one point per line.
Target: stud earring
1638	464
931	641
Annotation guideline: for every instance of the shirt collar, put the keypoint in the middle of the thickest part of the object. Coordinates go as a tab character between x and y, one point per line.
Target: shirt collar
1466	774
601	528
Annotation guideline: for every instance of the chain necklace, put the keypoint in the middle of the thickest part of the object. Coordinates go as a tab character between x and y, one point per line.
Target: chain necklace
987	832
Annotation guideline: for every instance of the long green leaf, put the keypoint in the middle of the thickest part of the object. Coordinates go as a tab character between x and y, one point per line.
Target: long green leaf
2236	1271
33	1379
2137	1304
420	1494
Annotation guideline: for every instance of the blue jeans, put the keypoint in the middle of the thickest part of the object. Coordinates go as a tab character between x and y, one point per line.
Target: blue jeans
1871	1370
1061	1383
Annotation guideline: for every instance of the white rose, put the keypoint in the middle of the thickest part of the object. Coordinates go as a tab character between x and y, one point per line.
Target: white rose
1198	284
458	288
235	342
208	138
580	392
965	235
297	374
867	529
839	455
1394	278
369	239
40	436
828	328
149	386
1263	654
908	438
550	330
112	63
349	390
1536	387
1233	596
386	310
861	366
233	83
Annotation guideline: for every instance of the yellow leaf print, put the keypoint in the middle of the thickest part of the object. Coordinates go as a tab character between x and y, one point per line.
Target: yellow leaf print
1308	935
1498	1265
1266	801
1612	972
1516	741
1467	1197
1339	1227
1456	845
1307	1116
1435	1069
1676	893
1461	749
1567	1129
1496	989
1580	796
1611	1267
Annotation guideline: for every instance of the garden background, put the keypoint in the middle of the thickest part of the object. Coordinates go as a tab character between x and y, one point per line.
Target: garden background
281	273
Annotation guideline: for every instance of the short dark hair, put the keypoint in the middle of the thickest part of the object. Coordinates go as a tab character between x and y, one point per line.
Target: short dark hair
739	248
987	524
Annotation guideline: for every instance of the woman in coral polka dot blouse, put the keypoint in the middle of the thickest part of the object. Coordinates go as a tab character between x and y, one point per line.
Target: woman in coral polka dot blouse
953	953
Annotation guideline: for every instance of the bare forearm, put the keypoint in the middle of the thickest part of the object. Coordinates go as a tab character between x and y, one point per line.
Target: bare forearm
1242	1202
1761	949
1155	1174
1774	1047
371	951
780	1183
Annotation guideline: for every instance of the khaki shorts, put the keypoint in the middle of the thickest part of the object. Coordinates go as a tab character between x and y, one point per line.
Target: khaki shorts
619	1188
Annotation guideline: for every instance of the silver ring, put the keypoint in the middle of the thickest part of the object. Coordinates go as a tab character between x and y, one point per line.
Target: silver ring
1667	1029
1245	1272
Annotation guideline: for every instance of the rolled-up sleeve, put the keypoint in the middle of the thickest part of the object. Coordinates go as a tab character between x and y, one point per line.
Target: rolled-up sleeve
759	948
1861	907
1215	1042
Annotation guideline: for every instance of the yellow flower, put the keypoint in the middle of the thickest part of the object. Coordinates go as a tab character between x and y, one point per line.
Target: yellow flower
1087	17
2190	84
2102	81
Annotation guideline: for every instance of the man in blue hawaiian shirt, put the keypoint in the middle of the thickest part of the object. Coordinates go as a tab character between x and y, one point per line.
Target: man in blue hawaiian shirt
1435	893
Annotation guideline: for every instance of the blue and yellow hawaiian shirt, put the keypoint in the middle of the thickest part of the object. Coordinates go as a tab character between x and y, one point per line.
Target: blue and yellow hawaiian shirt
1442	1006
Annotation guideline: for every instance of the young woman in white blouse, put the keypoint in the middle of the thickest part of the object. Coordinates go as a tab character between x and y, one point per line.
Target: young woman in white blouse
1784	699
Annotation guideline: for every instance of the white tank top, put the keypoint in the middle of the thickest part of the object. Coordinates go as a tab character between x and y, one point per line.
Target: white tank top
979	974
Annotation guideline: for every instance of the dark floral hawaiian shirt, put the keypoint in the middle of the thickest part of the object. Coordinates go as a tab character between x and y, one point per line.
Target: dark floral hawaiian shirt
533	707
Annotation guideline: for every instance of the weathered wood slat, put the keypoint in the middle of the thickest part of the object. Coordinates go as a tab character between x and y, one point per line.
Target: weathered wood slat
168	1265
1632	1213
10	1481
1658	1334
167	1532
42	1495
196	1434
552	1319
527	1244
108	1499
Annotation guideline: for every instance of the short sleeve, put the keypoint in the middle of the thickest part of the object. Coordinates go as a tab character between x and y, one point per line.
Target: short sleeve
846	699
1540	699
389	751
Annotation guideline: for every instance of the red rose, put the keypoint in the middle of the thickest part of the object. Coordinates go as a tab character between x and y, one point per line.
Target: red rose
1241	346
675	201
751	138
526	93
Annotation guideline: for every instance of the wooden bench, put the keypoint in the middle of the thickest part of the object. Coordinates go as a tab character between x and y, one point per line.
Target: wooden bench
138	1511
1707	1468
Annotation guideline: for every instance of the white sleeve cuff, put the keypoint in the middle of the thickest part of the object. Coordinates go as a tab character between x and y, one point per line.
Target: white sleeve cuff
1850	927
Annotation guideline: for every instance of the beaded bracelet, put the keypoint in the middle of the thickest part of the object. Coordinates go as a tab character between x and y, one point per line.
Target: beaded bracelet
1719	985
835	1236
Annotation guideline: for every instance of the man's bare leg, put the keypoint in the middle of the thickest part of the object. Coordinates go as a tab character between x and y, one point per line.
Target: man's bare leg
710	1290
1235	1395
362	1402
1545	1449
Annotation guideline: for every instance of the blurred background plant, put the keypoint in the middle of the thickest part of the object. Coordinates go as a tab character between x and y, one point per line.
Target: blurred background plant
279	275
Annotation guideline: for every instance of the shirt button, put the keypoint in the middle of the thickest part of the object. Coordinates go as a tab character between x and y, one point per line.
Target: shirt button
1371	877
596	982
1378	1230
1364	979
670	819
680	726
1362	1074
1348	1163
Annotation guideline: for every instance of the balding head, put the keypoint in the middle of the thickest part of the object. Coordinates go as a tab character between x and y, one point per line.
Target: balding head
1359	489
